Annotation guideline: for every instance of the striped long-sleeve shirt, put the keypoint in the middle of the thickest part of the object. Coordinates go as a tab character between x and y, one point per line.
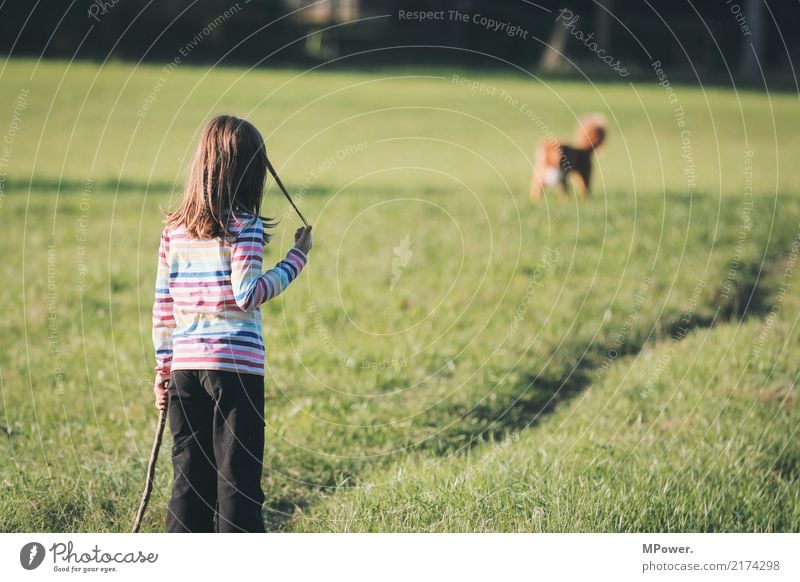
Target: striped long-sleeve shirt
206	312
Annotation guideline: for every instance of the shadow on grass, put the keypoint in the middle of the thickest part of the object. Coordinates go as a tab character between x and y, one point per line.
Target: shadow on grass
67	186
124	186
279	512
536	397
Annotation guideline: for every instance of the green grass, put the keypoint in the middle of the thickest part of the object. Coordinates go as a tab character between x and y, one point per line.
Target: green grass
476	394
712	447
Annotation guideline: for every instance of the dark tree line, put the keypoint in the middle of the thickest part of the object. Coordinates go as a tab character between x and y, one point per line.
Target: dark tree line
707	36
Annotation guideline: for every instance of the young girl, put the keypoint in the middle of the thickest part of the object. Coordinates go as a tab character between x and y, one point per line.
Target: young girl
207	331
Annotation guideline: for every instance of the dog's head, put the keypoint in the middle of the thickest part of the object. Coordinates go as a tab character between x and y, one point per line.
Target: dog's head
591	131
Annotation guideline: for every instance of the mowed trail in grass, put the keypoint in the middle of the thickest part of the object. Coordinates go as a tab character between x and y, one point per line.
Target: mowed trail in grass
700	436
454	358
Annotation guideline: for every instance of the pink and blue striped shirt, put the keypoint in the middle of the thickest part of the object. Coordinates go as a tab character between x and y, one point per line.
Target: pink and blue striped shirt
206	313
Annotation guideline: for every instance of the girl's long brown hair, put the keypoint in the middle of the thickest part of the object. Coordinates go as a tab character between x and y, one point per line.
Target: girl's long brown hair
227	176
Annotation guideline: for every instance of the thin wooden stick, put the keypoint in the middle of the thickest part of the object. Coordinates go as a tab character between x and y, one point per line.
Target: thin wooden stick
151	468
285	193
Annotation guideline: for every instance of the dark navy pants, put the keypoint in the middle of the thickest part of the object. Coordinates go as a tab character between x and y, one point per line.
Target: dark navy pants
217	423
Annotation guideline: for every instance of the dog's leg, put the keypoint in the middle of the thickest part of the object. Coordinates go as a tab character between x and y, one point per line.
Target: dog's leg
539	169
563	184
584	174
536	188
582	185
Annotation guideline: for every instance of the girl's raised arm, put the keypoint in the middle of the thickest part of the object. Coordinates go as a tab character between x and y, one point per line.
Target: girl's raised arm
251	287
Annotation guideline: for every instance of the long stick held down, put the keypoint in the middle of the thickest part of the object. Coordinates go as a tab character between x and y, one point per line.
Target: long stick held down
151	469
285	193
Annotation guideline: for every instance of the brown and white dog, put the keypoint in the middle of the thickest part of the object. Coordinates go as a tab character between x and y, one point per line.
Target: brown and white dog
556	160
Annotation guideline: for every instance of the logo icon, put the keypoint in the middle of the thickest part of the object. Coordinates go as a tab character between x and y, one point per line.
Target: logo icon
402	256
31	555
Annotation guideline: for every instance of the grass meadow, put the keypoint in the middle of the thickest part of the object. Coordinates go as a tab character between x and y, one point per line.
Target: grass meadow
454	358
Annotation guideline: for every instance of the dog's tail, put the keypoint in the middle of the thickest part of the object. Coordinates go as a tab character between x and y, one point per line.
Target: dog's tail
591	131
